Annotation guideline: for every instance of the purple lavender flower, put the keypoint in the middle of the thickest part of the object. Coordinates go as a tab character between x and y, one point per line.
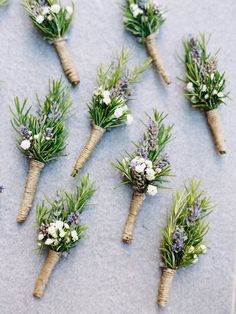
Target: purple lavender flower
164	161
152	134
48	133
196	52
179	237
143	149
73	218
194	214
55	114
121	88
26	133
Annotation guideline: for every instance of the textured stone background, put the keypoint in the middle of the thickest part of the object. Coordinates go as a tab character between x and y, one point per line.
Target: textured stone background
102	276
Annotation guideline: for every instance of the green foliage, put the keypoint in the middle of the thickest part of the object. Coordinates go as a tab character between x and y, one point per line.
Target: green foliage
108	107
42	136
3	2
205	85
59	221
143	18
50	17
183	237
147	168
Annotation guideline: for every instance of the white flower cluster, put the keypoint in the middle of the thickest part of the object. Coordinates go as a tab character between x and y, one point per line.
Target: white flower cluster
47	12
203	88
135	10
145	167
26	143
202	249
58	231
106	99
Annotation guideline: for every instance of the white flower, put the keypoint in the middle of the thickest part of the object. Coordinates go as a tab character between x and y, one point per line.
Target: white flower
191	249
190	87
62	233
36	136
152	190
141	160
135	10
45	10
49	17
25	144
118	113
203	248
220	94
66	226
150	174
195	259
106	97
52	231
40	236
158	170
69	10
59	224
206	96
148	163
194	100
214	92
98	91
129	119
74	235
40	19
55	8
140	168
49	241
204	88
212	76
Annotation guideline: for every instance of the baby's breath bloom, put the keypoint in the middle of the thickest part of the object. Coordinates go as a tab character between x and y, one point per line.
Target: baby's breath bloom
49	241
118	112
25	144
55	8
152	190
74	235
150	174
190	87
39	19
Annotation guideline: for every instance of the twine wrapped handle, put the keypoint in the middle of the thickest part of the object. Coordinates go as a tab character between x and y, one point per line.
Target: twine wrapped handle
67	61
167	278
156	57
45	272
135	205
35	168
214	122
95	137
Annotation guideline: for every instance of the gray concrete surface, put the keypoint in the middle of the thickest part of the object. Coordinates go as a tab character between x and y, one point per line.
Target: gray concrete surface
102	276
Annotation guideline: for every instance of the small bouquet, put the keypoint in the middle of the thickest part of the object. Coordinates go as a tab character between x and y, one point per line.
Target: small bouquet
205	85
41	137
54	20
183	238
143	18
146	169
108	107
60	227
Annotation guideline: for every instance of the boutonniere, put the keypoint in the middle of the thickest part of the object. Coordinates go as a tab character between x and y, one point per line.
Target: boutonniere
205	85
144	19
146	169
53	21
60	227
109	104
41	137
183	237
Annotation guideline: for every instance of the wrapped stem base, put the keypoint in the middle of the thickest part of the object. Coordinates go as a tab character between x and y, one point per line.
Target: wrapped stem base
135	205
95	137
214	122
35	168
167	278
156	58
45	272
67	61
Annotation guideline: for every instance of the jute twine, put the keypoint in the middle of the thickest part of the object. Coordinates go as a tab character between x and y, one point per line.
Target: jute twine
135	205
167	278
45	272
95	137
214	122
35	168
67	61
156	58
